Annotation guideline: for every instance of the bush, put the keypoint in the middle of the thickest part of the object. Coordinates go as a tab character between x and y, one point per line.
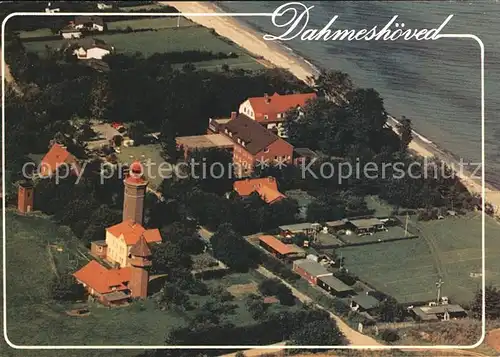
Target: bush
389	335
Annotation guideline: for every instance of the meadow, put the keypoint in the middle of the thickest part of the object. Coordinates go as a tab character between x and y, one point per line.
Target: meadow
449	248
33	318
164	40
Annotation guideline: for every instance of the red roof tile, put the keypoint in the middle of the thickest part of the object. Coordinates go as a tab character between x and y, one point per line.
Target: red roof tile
275	104
101	279
132	232
266	187
55	157
276	244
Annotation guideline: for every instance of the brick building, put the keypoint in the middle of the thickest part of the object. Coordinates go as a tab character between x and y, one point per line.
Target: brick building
25	197
253	143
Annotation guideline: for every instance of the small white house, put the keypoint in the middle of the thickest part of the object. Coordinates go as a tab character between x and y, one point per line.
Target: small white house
92	48
102	6
70	33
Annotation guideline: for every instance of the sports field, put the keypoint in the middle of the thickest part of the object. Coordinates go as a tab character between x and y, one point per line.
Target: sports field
450	248
167	40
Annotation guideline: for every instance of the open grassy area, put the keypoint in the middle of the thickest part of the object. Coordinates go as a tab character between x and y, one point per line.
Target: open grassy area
34	319
167	40
404	269
392	233
458	243
143	153
450	248
151	23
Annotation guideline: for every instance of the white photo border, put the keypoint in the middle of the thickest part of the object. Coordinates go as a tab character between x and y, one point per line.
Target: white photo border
221	14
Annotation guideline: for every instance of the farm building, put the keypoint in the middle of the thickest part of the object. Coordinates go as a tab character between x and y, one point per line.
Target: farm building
438	312
363	303
306	228
335	226
280	249
310	270
203	142
335	286
367	225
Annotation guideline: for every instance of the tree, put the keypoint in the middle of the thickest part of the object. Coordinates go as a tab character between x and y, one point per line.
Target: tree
117	140
100	97
492	302
231	248
137	130
317	333
389	310
172	296
334	85
389	335
405	132
65	288
256	306
169	256
274	287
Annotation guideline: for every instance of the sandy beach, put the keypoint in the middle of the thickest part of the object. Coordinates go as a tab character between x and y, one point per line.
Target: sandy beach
278	56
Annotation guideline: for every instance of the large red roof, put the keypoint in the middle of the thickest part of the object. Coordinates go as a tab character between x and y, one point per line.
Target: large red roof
55	157
277	104
266	187
276	244
132	232
101	279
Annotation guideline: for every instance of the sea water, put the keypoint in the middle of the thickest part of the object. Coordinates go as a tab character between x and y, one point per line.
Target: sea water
437	84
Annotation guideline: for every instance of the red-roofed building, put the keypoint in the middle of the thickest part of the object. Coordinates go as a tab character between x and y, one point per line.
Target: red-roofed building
56	157
280	249
109	286
266	187
121	237
270	111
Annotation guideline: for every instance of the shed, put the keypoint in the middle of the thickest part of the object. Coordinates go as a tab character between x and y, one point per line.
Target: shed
363	302
366	225
310	270
335	286
435	313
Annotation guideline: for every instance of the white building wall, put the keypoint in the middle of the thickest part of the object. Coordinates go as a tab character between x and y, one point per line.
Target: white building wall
97	53
246	108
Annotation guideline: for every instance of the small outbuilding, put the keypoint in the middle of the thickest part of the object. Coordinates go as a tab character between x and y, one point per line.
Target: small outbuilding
310	270
438	312
335	286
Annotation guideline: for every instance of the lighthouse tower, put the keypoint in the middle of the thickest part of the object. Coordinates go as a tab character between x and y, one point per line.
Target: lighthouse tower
135	190
140	261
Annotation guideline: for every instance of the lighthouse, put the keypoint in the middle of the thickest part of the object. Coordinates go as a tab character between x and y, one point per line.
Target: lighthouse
135	191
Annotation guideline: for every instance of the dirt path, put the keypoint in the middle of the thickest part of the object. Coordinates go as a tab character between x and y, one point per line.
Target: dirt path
355	338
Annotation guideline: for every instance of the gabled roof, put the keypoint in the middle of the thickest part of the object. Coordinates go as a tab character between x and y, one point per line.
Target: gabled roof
132	232
88	43
312	268
366	301
275	104
101	279
277	245
266	187
55	157
254	136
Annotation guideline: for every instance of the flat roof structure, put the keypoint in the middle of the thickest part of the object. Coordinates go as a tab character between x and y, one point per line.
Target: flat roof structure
367	302
429	313
335	283
296	227
205	141
366	223
312	268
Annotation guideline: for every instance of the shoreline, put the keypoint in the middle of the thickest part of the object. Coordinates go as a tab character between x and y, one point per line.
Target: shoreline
282	56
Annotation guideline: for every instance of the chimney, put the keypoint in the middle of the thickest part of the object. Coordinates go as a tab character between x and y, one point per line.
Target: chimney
233	115
266	98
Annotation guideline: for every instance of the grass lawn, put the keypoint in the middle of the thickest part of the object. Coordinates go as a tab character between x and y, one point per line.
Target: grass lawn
458	241
391	234
143	153
35	33
168	40
404	269
450	247
151	23
380	207
34	319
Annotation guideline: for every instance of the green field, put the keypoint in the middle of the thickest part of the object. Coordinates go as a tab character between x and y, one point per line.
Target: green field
392	233
450	248
151	23
34	319
167	40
